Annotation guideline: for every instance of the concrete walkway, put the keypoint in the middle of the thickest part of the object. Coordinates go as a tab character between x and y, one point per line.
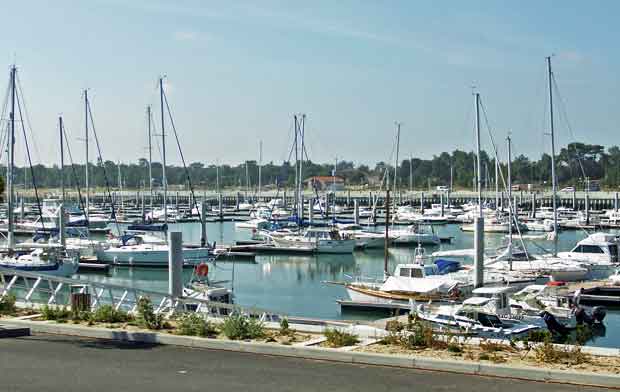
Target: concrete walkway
61	363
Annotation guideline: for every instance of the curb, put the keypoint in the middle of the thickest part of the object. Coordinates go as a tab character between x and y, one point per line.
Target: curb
329	354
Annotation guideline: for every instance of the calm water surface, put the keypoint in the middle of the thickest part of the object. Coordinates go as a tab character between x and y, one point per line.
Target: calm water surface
295	285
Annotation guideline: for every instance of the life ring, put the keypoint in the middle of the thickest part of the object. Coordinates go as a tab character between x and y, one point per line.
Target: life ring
202	269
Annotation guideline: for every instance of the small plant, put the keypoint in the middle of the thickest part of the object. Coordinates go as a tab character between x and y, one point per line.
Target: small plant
60	315
337	338
108	314
239	327
484	357
7	304
193	324
285	329
455	348
537	336
394	326
147	317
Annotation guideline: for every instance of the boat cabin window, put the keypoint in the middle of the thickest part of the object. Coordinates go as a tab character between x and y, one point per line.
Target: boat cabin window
588	249
489	320
411	273
429	270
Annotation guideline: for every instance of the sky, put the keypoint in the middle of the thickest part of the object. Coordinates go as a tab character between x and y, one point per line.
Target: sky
237	71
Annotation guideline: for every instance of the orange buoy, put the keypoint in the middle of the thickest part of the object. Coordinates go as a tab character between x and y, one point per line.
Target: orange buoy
202	269
556	283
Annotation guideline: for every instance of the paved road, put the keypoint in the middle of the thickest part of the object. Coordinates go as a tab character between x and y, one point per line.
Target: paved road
56	363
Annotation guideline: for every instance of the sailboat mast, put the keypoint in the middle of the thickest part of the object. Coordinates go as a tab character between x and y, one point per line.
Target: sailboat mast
478	163
553	179
11	149
163	147
302	131
396	157
509	201
260	166
149	116
61	210
87	183
479	221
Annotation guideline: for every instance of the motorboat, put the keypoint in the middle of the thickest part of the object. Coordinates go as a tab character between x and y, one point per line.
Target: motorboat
414	234
365	238
319	240
256	224
409	282
485	315
545	225
201	288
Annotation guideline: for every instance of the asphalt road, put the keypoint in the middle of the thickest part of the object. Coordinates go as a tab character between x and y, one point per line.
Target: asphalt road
49	363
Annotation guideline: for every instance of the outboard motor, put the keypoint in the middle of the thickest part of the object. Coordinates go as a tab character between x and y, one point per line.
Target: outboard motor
582	317
599	313
552	324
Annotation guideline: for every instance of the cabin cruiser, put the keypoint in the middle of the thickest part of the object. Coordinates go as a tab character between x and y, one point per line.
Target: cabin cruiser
485	315
364	238
414	234
319	240
598	252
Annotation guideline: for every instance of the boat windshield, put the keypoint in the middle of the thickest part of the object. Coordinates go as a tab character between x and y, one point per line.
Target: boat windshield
589	249
490	320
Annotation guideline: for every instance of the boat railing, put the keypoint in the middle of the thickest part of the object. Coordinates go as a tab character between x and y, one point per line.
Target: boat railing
35	290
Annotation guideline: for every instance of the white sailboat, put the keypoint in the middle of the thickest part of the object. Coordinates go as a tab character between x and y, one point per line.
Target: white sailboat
54	260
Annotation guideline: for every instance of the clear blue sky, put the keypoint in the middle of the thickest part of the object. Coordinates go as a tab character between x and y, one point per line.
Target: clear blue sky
237	71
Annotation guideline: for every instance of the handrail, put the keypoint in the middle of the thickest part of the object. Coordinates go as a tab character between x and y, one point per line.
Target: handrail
116	295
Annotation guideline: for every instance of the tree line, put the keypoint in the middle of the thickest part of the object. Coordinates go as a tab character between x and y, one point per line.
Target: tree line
574	164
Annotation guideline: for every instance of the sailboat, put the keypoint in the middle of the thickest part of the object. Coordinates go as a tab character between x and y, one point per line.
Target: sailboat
557	268
54	260
133	250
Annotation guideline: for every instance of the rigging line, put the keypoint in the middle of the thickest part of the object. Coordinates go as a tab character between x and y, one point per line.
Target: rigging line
105	175
3	119
34	181
75	177
28	122
187	174
501	174
564	116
